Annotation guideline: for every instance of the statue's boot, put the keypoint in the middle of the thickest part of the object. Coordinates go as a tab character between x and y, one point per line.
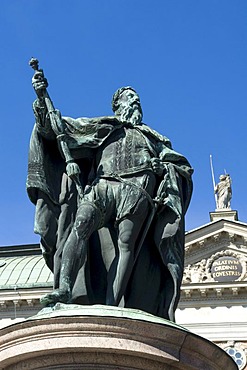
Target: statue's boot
58	295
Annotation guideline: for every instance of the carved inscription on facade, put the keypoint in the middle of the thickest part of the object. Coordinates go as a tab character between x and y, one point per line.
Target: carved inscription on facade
226	268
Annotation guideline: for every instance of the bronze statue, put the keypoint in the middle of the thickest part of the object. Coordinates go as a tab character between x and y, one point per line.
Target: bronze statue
110	196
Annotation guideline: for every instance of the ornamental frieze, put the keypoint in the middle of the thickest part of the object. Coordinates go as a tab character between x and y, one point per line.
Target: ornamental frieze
224	266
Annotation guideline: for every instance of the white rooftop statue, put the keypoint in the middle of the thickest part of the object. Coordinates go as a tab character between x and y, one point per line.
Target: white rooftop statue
223	190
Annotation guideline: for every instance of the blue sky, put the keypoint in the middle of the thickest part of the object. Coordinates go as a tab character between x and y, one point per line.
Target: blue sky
186	58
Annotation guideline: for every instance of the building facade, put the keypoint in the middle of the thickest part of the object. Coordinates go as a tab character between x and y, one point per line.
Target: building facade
213	300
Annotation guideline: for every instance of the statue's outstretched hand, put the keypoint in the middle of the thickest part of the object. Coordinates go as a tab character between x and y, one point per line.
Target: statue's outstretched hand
72	169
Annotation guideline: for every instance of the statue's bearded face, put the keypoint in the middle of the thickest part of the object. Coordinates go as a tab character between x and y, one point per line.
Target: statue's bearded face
129	109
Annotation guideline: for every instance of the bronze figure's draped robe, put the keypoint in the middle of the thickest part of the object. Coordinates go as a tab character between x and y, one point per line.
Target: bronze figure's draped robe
118	180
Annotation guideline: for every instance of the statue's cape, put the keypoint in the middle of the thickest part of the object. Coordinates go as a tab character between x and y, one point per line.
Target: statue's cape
155	282
45	162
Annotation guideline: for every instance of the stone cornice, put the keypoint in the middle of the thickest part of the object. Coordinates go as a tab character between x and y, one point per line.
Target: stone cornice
213	294
21	298
215	239
218	332
20	250
203	293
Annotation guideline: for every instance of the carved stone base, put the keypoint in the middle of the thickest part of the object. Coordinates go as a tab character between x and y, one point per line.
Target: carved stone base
100	337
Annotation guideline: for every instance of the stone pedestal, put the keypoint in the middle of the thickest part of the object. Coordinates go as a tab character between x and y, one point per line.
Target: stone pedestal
226	214
100	337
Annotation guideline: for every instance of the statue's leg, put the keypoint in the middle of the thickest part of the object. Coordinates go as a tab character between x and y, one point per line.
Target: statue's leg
74	252
132	211
129	229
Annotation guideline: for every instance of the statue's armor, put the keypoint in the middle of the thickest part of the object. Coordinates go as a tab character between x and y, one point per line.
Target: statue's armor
125	152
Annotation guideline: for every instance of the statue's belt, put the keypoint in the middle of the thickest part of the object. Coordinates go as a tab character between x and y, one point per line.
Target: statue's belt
115	176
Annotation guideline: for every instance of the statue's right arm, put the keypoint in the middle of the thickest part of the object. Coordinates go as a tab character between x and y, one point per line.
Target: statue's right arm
43	122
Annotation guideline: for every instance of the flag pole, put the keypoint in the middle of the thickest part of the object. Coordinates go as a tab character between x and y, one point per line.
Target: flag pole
212	172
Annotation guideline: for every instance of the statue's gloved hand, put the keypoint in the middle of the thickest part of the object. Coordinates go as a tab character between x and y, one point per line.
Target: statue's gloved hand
39	83
157	166
72	169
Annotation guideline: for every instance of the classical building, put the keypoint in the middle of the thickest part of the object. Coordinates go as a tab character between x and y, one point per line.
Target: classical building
214	291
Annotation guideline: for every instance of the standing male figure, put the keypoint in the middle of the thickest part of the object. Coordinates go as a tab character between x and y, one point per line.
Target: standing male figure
124	166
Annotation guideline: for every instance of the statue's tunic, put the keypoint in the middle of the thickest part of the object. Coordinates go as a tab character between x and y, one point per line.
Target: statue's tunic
123	178
127	152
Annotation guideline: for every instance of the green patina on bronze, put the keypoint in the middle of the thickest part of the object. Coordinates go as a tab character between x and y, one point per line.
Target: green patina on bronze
110	196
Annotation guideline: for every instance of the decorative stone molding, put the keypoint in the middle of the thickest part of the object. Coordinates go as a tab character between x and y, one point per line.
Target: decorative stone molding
201	243
235	291
210	242
195	273
203	292
216	238
219	292
232	237
30	302
16	302
3	304
220	232
187	293
213	294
